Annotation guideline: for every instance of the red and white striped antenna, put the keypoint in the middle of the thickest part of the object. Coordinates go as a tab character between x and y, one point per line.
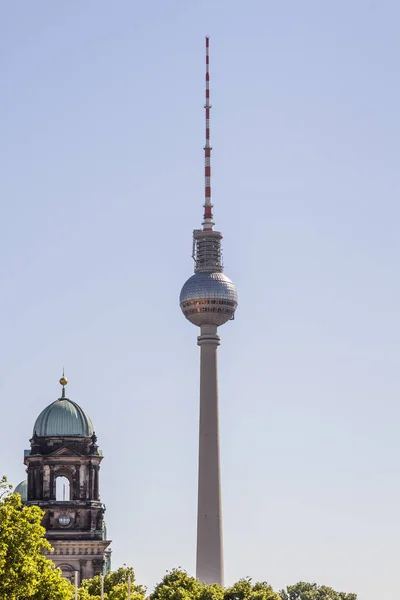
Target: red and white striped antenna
208	223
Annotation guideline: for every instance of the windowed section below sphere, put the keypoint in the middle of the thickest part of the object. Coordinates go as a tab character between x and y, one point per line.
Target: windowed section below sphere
63	489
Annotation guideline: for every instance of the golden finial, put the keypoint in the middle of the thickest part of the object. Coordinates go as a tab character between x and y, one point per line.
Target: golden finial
63	382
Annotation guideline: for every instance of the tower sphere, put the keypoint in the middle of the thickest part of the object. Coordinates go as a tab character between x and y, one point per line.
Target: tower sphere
208	299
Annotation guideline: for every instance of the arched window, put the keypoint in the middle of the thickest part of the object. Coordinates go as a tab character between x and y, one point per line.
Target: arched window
63	489
68	572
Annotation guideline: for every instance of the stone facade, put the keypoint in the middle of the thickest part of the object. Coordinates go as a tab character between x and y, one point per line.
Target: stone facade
75	524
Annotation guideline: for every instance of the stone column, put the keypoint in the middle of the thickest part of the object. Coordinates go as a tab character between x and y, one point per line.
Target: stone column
52	483
96	482
77	481
93	519
209	564
90	490
31	483
38	483
46	482
89	573
83	481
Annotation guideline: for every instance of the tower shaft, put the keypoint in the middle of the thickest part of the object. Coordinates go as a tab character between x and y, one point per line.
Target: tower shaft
209	562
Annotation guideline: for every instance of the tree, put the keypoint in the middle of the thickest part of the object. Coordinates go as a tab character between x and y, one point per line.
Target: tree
25	573
115	586
311	591
177	585
244	589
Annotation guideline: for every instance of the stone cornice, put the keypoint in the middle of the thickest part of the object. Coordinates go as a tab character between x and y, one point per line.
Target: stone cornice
88	548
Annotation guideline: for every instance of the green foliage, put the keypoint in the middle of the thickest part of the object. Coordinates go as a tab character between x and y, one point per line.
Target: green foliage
177	585
244	589
115	586
212	592
5	487
311	591
25	573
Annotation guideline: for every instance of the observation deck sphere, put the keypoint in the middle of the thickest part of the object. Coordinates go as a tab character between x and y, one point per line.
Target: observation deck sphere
208	299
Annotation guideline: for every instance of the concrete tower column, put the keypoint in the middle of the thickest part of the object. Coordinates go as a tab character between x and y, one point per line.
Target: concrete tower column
208	299
209	565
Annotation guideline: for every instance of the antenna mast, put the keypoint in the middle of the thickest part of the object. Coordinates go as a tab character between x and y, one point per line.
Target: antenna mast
207	242
208	224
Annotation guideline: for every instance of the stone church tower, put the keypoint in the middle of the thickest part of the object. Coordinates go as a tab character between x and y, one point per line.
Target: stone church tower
63	467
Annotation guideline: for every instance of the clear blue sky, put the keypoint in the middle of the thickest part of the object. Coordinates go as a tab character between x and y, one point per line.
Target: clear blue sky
101	185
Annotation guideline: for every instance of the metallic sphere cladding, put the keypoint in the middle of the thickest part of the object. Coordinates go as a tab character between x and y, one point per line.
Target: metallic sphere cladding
208	299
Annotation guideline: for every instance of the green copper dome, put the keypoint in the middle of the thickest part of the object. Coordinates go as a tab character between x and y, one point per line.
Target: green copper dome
63	417
22	489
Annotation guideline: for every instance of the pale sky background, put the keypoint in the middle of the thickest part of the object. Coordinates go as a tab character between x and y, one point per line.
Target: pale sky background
101	185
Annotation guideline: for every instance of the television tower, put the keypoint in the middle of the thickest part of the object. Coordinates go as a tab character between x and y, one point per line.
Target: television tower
208	299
